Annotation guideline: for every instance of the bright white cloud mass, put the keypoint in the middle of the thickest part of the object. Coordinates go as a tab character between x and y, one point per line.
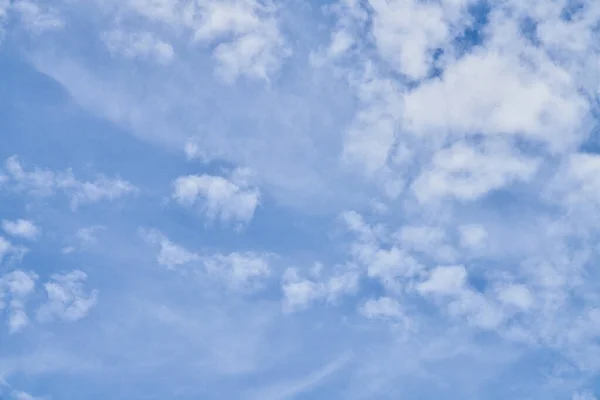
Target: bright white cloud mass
277	200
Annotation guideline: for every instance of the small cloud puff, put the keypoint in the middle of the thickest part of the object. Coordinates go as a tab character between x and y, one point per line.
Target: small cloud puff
231	199
21	228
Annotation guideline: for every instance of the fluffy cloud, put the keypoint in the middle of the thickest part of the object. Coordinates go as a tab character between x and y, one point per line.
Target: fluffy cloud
542	103
21	228
445	280
67	298
467	172
219	198
43	182
256	48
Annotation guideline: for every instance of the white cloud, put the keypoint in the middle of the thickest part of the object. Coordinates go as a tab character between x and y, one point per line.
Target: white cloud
170	254
7	248
220	198
244	35
467	172
383	307
19	285
407	32
472	236
517	295
21	228
67	298
299	292
577	184
375	251
445	280
144	45
83	239
20	395
43	182
37	19
238	271
291	389
541	104
17	320
242	272
498	117
369	139
256	47
429	240
4	7
586	395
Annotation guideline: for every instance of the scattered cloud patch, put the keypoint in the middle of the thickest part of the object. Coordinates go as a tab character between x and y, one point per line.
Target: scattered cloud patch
21	228
300	292
43	183
18	286
219	198
170	254
67	298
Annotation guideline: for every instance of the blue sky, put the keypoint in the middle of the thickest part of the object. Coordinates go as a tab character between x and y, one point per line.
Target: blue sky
259	199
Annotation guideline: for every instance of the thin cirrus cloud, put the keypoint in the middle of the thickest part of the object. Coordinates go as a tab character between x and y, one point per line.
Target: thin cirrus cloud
393	169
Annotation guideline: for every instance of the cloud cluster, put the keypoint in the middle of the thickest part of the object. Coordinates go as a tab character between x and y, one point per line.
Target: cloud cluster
67	298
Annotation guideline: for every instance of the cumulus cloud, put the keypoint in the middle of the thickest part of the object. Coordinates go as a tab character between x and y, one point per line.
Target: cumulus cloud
467	173
21	228
256	48
227	200
44	182
67	298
